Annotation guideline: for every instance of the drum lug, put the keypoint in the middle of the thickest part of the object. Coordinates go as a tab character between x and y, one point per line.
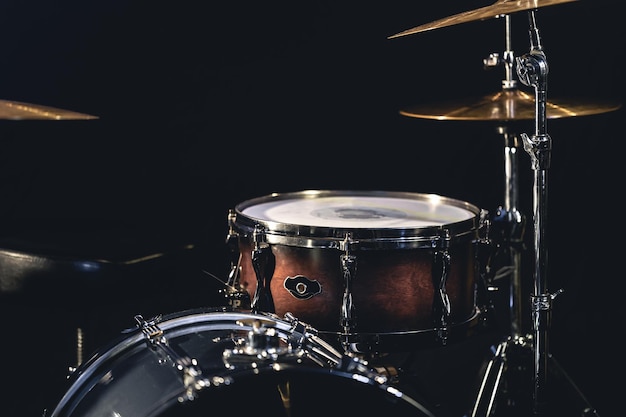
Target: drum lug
262	299
188	367
236	296
348	268
441	302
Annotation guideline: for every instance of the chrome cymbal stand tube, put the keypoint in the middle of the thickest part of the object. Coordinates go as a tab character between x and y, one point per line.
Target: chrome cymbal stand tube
532	70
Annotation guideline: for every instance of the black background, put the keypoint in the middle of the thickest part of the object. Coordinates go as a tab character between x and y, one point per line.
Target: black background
203	105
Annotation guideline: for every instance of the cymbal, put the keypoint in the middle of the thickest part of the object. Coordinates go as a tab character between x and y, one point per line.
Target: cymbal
15	110
507	105
499	8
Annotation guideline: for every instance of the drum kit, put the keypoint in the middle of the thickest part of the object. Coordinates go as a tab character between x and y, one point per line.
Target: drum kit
330	291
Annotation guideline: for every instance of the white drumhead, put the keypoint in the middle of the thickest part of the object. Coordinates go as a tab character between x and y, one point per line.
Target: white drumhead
360	211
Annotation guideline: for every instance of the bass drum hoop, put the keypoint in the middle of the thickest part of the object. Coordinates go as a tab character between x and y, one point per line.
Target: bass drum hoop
173	324
328	361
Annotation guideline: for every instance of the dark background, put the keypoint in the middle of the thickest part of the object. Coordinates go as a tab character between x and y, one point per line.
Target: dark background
203	105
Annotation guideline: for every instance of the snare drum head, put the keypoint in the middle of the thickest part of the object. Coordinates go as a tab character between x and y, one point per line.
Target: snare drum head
312	218
134	378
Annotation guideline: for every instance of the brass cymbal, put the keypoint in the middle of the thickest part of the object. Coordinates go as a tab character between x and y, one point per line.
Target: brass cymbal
15	110
499	8
507	105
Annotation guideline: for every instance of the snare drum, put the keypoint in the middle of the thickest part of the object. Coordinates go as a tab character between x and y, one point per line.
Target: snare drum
222	362
361	264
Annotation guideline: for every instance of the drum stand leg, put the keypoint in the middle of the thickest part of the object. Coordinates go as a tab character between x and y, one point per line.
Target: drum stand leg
508	227
532	70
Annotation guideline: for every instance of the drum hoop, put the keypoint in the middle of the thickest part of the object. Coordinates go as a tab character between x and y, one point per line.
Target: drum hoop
425	338
364	238
184	319
176	323
180	320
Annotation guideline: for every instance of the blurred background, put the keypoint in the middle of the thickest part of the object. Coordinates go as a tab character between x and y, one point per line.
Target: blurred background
202	106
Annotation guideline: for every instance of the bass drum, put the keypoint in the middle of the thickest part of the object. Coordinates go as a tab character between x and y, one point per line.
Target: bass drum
219	360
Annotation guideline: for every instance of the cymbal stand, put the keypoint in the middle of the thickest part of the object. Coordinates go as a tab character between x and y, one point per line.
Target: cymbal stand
511	354
532	70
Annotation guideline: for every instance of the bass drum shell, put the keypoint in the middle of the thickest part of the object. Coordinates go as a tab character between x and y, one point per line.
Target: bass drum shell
131	378
395	236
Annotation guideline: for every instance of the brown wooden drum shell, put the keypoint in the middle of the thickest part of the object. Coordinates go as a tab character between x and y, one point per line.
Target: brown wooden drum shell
393	290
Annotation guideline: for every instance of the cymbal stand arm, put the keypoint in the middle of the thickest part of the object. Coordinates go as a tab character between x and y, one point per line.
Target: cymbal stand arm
509	82
508	59
532	69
